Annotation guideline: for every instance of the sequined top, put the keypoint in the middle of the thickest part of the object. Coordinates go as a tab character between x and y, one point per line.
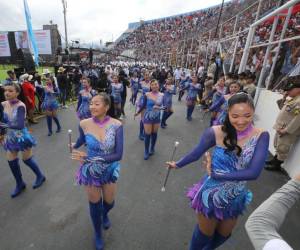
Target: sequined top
193	90
145	86
15	119
101	164
50	102
97	147
107	150
17	136
135	84
83	106
116	90
224	161
222	192
168	94
50	95
152	108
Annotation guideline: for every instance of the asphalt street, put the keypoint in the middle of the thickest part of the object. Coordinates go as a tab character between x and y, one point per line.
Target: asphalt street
56	216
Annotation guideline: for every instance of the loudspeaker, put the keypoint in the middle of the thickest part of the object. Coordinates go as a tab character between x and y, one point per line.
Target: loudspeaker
25	60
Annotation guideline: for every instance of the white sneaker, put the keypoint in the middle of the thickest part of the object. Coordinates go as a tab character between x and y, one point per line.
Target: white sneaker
65	107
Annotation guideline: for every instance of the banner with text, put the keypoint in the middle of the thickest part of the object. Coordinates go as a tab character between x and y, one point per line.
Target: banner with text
42	37
4	44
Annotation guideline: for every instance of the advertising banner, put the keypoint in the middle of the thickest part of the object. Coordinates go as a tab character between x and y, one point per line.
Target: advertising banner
4	45
43	40
21	40
42	37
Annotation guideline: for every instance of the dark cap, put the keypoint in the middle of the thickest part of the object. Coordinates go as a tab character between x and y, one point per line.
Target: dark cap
292	82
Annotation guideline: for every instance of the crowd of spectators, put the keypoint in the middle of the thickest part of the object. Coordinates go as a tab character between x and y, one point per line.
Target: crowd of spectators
152	37
190	39
288	54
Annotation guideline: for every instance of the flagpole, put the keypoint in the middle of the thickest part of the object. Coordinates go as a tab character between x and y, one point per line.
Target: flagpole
64	2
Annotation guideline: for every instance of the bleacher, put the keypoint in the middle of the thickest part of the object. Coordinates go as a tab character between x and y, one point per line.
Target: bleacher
182	40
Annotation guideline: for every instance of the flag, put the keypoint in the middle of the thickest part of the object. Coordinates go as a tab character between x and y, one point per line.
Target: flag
30	33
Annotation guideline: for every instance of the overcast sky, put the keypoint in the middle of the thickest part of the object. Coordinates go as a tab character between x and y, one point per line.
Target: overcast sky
92	20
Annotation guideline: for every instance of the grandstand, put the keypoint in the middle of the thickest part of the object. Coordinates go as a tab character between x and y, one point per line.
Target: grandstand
182	39
262	37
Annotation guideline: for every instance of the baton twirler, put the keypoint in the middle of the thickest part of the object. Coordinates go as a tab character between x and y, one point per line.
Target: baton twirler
70	140
163	189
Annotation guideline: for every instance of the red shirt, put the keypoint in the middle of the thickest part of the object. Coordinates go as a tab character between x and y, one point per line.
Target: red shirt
28	91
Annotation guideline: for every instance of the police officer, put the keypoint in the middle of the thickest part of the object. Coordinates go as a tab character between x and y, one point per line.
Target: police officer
287	124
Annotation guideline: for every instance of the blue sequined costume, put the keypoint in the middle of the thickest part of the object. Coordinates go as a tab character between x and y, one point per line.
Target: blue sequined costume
49	103
224	194
220	106
152	115
168	96
135	85
193	90
145	89
222	114
101	165
17	137
223	199
83	107
216	97
116	90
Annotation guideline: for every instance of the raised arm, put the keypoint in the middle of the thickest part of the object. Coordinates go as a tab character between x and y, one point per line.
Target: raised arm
218	104
264	223
207	140
186	85
255	166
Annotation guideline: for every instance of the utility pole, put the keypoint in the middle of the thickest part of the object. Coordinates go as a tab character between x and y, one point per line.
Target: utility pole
220	14
64	3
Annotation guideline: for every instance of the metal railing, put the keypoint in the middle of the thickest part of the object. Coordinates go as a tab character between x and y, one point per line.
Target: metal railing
275	14
212	44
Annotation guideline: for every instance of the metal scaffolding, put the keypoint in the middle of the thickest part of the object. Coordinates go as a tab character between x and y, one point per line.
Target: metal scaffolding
276	14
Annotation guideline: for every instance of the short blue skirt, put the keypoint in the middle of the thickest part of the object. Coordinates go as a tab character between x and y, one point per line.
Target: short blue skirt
18	140
151	117
96	173
219	199
84	111
49	105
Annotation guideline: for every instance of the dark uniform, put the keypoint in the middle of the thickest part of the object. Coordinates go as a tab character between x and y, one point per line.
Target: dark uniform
288	120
